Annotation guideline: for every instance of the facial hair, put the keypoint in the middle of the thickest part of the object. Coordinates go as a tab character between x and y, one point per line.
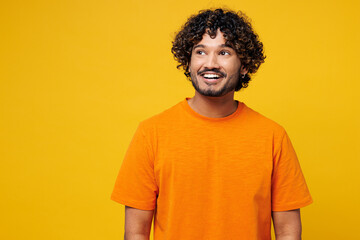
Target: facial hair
229	86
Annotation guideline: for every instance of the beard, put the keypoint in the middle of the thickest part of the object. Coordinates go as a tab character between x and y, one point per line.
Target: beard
229	86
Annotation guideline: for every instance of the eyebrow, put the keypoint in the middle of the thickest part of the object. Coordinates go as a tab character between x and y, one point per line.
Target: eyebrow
203	46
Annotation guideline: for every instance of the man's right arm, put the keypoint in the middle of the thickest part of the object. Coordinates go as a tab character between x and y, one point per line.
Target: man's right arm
137	223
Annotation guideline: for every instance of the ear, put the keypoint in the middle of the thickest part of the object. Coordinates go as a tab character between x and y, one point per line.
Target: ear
243	70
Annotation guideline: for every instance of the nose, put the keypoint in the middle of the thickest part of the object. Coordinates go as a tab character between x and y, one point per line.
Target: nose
211	61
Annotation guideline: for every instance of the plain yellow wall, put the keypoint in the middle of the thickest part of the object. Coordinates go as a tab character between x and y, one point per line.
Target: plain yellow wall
78	76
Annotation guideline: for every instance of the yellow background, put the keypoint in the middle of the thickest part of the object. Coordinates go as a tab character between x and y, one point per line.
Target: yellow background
78	76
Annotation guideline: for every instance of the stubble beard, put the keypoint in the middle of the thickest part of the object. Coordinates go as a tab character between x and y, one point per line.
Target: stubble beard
229	86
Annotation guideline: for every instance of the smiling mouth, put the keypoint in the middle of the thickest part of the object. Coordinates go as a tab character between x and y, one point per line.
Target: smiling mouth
212	77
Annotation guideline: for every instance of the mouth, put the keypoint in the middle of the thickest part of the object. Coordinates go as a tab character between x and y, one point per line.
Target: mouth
212	77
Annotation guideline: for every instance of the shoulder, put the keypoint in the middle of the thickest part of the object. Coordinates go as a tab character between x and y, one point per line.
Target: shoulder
165	117
262	122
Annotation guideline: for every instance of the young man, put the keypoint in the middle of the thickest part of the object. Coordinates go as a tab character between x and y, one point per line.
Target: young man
210	167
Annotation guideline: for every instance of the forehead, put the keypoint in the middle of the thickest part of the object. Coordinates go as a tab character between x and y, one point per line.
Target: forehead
207	41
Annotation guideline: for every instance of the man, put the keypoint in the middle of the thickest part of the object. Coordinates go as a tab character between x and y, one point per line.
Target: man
210	167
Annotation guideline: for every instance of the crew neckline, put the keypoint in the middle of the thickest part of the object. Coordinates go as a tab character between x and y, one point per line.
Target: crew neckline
192	112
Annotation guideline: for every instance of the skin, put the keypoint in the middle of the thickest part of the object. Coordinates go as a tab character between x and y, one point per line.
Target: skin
137	223
215	100
213	56
287	225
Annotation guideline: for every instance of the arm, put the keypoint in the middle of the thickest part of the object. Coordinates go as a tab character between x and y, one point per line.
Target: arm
137	223
287	224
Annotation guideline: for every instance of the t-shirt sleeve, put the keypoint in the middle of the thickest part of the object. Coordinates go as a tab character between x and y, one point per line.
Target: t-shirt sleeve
135	184
288	189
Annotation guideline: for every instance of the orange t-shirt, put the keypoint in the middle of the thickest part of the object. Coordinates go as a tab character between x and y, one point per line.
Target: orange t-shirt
211	178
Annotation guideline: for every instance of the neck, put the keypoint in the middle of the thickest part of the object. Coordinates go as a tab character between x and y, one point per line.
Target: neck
213	107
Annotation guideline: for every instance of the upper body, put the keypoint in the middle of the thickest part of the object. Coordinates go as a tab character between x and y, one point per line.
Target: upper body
210	167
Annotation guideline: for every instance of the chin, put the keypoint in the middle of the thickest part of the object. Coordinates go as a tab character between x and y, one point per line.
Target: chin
212	93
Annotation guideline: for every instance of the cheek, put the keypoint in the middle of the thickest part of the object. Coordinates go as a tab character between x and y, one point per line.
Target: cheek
194	66
232	67
196	62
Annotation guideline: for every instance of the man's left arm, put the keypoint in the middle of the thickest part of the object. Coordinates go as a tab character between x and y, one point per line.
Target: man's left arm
287	224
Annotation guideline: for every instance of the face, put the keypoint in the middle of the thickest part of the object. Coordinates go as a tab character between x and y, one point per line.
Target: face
214	67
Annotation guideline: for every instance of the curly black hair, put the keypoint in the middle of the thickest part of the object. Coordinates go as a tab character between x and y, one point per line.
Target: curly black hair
237	31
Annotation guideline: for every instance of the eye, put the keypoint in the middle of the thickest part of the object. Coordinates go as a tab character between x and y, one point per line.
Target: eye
199	52
224	53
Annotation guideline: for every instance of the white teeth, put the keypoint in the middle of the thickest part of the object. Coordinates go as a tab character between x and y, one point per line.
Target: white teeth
211	76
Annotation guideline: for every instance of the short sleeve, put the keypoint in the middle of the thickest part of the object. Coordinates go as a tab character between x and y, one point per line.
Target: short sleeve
288	188
135	184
